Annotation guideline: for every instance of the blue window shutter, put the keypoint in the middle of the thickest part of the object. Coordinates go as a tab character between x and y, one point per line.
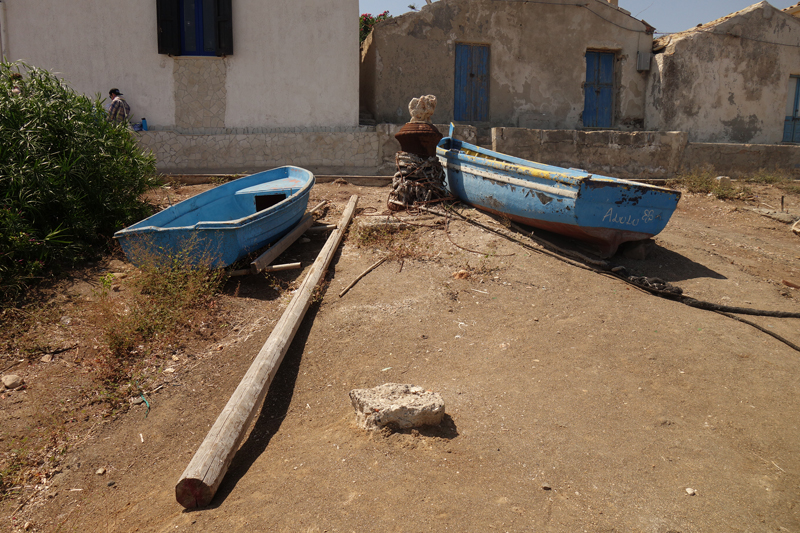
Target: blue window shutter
224	27
169	27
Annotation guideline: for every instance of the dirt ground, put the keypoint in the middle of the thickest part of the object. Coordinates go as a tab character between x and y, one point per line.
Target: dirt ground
574	401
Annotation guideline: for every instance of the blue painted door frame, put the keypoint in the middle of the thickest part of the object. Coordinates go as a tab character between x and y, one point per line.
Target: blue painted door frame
598	103
791	126
471	102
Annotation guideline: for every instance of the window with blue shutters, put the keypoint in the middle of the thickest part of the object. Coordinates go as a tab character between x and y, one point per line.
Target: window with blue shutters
195	27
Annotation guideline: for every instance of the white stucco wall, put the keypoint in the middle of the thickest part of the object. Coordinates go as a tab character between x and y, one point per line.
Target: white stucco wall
295	62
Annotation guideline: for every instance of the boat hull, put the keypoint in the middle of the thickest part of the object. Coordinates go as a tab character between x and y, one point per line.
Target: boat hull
223	224
600	210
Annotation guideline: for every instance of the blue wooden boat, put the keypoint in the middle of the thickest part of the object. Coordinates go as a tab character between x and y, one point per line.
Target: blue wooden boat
225	223
598	209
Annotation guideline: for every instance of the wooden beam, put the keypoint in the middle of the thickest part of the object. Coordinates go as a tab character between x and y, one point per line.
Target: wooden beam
268	268
202	477
279	247
260	263
321	228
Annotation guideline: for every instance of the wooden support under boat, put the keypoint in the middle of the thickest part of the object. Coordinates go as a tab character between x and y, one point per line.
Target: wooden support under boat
319	229
202	477
279	247
268	268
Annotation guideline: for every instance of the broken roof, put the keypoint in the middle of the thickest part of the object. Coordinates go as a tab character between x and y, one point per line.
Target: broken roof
719	24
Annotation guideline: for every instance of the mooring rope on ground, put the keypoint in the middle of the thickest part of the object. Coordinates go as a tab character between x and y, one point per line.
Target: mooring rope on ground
651	285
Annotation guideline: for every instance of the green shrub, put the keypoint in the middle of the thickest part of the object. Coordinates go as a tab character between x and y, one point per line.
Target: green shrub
704	180
68	178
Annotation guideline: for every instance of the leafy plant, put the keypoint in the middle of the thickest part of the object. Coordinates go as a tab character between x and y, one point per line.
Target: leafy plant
366	21
69	178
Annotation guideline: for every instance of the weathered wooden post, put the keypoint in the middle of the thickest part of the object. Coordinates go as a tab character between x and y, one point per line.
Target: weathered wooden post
202	477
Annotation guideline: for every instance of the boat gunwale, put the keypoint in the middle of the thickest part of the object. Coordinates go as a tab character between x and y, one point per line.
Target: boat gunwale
222	225
524	167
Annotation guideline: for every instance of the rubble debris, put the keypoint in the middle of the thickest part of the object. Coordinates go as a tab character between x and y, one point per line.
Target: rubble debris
397	406
12	381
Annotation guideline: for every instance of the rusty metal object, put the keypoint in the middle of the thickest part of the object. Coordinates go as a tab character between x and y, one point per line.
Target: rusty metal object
419	139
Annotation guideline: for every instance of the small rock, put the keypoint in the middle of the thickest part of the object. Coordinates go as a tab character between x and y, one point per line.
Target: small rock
136	400
305	240
12	381
27	526
691	491
112	483
397	406
546	486
100	471
461	274
723	182
66	321
46	358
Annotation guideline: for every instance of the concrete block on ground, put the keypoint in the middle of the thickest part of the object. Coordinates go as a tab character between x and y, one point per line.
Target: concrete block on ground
397	406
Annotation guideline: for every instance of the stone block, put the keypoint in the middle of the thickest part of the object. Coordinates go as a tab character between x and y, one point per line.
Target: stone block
723	182
397	406
12	381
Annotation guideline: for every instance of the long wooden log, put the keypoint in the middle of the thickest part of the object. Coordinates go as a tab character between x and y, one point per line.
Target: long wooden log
202	477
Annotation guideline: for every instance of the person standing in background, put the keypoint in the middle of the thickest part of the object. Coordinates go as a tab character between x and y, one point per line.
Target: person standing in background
119	111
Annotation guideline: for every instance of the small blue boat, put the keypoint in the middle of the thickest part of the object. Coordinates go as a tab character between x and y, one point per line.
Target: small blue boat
598	209
225	223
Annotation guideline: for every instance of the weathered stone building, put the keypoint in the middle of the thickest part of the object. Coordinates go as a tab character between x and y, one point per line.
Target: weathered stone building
555	64
732	80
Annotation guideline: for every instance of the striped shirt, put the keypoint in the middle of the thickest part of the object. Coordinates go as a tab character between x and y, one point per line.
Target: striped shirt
119	110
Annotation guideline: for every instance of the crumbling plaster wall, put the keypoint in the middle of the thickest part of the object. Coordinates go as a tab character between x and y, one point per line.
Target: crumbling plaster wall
726	81
537	60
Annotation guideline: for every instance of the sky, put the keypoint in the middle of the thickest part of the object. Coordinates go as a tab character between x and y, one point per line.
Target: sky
667	16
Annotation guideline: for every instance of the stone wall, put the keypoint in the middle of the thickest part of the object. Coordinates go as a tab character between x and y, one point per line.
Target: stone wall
370	150
736	160
365	150
644	154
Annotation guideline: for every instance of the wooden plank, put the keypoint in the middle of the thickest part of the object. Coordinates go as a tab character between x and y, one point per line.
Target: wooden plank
279	247
320	229
202	477
261	262
268	268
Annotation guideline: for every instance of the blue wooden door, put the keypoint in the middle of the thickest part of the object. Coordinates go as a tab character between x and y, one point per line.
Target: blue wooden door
472	83
598	102
791	126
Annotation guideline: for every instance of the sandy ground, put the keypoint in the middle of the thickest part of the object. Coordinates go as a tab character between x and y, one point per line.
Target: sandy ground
574	401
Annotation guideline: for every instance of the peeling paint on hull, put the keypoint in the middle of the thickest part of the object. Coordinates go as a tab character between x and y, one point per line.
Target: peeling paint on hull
597	209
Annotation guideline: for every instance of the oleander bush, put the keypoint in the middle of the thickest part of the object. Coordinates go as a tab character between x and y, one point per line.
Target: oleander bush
68	178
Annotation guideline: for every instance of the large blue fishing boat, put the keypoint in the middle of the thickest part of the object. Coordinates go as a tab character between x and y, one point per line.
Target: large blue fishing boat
602	210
